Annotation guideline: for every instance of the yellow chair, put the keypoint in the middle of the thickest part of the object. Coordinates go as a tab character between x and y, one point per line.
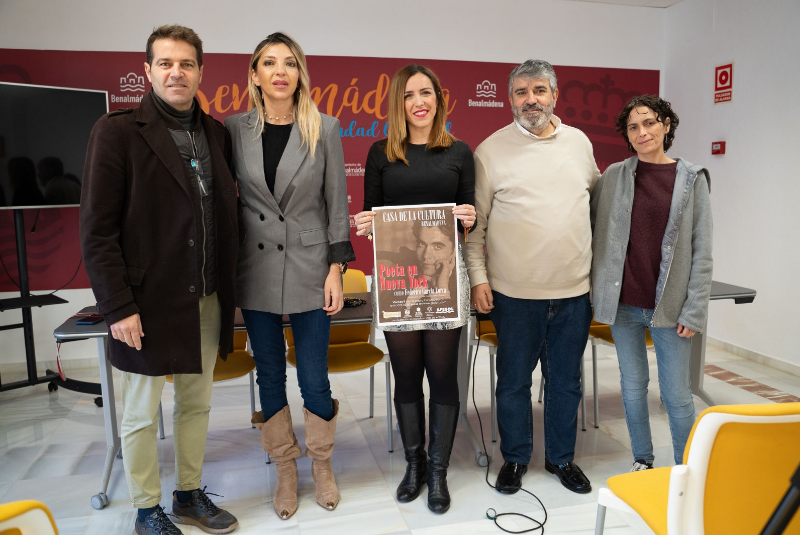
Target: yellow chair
238	364
350	349
736	468
27	517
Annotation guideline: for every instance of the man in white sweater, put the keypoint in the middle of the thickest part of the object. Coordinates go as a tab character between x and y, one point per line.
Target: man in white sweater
532	184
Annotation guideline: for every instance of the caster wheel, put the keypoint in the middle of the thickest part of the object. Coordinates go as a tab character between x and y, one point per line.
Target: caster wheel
482	459
119	453
99	500
98	402
52	387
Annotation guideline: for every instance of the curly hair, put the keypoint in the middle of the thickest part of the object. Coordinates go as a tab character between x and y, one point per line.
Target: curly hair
660	107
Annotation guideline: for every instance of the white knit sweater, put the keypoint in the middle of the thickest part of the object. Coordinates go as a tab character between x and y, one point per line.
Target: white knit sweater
532	200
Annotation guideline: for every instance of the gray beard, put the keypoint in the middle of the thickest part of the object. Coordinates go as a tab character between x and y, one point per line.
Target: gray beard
537	126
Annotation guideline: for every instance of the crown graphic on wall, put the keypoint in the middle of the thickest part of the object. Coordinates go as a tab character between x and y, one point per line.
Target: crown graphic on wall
131	82
486	89
596	104
593	108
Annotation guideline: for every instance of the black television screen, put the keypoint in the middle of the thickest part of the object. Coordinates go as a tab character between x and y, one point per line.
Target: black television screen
44	132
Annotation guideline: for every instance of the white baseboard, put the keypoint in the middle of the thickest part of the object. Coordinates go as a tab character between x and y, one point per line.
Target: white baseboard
42	365
772	362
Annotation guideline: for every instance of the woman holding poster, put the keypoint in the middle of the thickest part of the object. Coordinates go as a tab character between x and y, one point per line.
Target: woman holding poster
295	245
421	163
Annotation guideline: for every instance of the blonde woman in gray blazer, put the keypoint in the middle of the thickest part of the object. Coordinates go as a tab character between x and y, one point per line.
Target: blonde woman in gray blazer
294	248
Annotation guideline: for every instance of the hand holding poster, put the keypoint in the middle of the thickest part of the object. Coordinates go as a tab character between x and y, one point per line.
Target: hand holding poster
416	264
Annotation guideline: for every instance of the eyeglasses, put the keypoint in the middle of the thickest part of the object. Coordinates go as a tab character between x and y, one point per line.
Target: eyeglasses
201	178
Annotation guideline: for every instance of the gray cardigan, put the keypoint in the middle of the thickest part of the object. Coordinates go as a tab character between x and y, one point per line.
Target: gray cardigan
684	282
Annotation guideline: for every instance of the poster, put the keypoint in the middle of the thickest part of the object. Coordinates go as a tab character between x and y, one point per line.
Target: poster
416	264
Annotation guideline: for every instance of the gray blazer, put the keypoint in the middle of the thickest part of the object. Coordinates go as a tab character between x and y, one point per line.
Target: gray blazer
684	282
290	239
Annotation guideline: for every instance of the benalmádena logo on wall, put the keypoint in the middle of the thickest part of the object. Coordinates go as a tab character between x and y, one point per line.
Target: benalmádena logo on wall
486	90
130	83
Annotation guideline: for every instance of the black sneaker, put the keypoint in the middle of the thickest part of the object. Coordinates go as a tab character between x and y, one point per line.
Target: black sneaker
156	523
201	512
639	465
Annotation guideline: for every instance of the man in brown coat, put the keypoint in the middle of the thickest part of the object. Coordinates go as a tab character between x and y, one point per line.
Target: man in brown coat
159	240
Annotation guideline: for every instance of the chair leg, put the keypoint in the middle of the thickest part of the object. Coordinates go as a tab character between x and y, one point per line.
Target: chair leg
494	401
594	388
601	520
266	458
252	396
583	398
389	407
541	389
160	422
371	391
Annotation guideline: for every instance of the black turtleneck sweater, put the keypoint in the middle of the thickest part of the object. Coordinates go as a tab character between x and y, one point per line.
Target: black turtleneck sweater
186	130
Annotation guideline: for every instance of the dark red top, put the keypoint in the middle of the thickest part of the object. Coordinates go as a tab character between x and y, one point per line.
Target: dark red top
652	196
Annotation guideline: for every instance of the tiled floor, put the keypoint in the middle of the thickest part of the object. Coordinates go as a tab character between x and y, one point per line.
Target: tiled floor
52	448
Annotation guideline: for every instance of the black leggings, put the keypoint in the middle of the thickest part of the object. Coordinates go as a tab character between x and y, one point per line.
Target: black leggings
417	352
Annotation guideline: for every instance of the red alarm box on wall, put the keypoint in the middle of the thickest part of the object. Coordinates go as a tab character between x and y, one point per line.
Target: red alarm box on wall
718	147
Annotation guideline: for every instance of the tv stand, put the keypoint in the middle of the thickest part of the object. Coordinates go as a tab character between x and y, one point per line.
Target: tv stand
26	301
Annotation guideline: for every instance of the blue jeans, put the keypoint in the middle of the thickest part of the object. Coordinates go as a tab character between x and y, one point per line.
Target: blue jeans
672	357
555	332
311	331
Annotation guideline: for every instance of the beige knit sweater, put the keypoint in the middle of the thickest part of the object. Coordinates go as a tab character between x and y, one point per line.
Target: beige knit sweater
532	200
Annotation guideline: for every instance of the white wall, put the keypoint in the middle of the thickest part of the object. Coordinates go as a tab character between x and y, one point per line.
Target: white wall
755	187
562	32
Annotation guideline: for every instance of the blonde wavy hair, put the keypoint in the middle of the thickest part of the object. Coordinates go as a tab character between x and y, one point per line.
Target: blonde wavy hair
306	113
397	141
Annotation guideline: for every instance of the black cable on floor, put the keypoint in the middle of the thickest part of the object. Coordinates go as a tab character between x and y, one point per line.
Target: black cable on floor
491	513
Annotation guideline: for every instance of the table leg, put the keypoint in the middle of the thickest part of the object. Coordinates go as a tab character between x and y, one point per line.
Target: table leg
113	443
697	366
464	363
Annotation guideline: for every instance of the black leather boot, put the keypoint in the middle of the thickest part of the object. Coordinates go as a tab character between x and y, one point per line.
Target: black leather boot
411	421
443	421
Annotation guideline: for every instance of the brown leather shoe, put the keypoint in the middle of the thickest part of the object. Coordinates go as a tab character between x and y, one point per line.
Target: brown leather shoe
277	437
320	438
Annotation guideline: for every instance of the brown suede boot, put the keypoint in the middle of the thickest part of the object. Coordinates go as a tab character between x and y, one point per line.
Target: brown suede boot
277	437
319	447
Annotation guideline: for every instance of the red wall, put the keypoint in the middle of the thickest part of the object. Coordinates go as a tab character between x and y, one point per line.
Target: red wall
352	89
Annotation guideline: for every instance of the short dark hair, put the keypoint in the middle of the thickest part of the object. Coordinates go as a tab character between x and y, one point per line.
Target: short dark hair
176	33
660	107
416	230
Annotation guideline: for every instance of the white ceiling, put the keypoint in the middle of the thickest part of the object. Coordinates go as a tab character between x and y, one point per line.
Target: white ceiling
641	3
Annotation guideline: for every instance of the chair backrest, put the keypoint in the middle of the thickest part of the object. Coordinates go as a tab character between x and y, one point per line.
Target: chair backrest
238	363
27	517
239	340
353	281
484	327
738	462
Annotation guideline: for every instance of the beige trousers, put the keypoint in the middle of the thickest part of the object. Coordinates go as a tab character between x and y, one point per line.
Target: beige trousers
141	395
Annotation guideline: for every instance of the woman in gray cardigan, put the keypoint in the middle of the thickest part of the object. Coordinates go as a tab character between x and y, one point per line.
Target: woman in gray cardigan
651	268
295	246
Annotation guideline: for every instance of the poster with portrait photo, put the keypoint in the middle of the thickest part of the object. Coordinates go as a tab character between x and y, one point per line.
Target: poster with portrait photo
416	264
